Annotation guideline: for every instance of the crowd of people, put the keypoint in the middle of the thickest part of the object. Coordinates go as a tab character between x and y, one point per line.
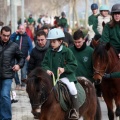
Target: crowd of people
54	49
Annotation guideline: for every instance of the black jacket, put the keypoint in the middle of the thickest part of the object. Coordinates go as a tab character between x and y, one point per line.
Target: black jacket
36	56
7	59
68	39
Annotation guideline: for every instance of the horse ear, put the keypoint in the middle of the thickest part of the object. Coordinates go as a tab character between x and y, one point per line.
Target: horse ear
107	46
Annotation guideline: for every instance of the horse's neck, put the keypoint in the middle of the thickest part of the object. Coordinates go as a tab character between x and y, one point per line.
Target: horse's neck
113	59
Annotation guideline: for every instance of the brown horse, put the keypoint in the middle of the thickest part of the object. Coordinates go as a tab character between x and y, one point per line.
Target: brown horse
105	60
42	93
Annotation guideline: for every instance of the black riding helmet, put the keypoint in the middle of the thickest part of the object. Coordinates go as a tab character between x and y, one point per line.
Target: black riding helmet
115	8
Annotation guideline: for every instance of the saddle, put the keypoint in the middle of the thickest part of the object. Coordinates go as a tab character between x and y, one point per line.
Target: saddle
63	95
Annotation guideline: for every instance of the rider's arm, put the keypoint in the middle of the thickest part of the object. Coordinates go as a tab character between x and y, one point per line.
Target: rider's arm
112	75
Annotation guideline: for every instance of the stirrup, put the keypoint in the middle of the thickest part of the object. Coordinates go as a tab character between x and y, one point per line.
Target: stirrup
73	114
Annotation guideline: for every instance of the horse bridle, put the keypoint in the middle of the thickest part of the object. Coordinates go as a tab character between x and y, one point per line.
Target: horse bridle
96	71
44	99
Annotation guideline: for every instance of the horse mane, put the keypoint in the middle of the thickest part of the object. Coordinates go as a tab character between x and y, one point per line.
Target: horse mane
101	52
36	78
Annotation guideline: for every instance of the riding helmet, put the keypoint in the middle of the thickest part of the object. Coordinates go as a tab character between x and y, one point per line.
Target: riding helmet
55	33
94	6
104	7
62	13
115	8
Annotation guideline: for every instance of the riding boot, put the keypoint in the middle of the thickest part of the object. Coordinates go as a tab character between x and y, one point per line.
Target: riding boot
74	112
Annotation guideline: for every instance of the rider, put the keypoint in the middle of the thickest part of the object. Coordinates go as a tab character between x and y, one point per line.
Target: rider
103	18
60	58
93	17
111	34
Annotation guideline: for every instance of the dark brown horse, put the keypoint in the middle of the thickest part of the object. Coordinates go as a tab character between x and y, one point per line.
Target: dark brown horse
105	60
42	93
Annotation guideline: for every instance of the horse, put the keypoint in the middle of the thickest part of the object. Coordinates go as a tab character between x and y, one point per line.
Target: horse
41	92
106	60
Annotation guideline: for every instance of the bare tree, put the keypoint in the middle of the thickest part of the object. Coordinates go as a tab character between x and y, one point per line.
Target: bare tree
86	14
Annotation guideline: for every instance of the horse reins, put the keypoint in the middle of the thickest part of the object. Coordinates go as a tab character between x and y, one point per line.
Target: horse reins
41	92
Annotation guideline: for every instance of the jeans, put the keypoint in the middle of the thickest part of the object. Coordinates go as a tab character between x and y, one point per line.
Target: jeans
5	101
23	75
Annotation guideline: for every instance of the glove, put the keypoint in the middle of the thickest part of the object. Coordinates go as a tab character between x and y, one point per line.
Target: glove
107	75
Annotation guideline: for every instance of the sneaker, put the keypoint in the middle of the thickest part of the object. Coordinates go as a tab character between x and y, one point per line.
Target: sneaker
18	87
23	88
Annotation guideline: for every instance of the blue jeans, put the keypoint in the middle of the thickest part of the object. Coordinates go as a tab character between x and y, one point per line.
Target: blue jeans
23	75
5	101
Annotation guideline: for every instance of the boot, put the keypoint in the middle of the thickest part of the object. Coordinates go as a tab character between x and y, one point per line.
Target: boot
74	112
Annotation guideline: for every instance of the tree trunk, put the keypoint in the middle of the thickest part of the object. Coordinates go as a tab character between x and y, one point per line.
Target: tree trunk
99	3
86	14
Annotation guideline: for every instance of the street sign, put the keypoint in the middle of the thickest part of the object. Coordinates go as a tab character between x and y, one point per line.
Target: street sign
17	2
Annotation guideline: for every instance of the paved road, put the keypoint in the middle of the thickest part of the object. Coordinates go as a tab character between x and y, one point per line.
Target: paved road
22	109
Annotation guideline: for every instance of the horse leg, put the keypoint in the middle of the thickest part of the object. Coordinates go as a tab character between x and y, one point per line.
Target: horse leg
117	111
117	102
109	103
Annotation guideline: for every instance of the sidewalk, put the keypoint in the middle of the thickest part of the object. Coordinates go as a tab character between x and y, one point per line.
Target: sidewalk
22	109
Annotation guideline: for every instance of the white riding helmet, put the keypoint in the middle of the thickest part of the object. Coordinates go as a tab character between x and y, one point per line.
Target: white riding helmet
55	34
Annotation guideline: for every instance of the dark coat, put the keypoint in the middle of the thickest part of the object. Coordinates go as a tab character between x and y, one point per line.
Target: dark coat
7	59
36	56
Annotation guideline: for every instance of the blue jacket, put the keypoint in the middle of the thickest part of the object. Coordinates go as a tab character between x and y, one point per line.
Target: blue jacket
26	46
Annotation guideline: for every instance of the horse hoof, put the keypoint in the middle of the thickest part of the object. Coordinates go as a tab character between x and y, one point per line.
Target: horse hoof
117	111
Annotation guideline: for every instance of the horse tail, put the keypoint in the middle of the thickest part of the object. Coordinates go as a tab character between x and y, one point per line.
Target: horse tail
98	115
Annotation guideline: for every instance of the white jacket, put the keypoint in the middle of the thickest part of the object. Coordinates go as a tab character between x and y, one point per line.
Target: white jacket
102	19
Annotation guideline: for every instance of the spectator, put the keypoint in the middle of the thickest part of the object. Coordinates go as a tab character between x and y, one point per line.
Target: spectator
68	38
45	28
25	45
83	55
9	52
37	54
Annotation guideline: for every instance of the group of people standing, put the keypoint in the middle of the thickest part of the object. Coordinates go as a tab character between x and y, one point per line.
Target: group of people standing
50	53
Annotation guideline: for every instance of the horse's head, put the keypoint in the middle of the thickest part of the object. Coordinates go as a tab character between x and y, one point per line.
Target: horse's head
100	61
38	87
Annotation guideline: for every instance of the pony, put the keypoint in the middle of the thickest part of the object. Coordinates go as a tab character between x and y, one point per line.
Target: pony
106	60
41	92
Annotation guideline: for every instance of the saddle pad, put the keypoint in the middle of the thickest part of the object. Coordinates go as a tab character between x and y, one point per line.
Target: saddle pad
81	97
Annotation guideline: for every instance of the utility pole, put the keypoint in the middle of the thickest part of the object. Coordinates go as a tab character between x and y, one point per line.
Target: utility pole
22	12
12	15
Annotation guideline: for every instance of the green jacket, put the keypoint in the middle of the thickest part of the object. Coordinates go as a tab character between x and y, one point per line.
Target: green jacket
115	75
64	59
92	20
63	21
31	20
111	35
84	60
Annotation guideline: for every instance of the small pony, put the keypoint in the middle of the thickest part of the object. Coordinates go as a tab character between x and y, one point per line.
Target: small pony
106	60
42	95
